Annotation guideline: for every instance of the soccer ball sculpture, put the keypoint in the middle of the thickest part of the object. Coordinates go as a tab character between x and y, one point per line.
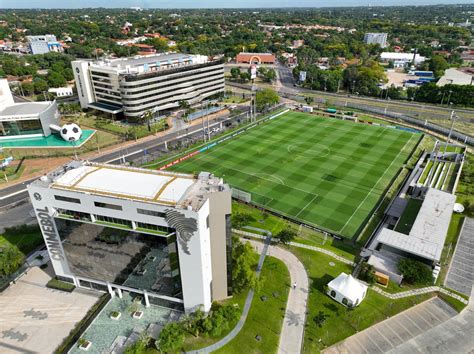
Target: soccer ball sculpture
71	132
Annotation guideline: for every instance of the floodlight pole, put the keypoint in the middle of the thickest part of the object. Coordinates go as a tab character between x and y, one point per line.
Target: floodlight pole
453	117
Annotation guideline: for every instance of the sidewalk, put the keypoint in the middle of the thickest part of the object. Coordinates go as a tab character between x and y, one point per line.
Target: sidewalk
292	332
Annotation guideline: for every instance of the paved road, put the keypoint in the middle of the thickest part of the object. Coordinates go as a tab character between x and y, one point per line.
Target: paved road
396	330
131	153
17	216
460	275
292	332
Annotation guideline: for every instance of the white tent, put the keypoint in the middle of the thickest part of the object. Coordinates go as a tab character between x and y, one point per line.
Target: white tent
347	290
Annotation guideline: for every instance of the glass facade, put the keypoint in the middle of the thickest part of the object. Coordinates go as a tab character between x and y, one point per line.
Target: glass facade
122	257
20	127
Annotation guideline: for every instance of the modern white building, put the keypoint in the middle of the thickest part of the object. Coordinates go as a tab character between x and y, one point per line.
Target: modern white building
140	84
61	91
401	59
346	290
26	119
43	44
376	38
164	235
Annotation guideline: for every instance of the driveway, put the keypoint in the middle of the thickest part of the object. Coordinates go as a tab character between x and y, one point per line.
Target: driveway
396	330
461	270
35	319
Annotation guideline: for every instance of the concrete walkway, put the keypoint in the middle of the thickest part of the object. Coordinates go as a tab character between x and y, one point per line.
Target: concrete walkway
245	312
428	289
291	337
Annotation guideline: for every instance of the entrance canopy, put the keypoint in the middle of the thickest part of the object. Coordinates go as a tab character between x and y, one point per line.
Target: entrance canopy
349	288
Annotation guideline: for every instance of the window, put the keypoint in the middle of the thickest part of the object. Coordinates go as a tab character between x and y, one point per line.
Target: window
108	206
151	213
67	199
333	293
117	221
207	221
74	214
345	301
142	225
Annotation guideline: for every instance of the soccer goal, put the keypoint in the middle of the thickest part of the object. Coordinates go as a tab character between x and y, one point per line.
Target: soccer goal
241	195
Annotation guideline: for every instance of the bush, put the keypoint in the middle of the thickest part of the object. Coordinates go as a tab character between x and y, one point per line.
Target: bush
240	220
10	259
60	285
171	338
286	235
415	272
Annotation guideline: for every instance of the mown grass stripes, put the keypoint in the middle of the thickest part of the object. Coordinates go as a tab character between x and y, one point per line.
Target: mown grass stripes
323	171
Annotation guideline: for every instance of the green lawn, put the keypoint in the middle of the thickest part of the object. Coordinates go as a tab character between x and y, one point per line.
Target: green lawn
265	317
408	217
274	224
26	238
325	172
341	322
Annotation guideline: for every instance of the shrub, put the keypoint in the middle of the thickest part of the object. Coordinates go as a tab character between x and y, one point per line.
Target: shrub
286	235
10	259
415	272
60	285
171	338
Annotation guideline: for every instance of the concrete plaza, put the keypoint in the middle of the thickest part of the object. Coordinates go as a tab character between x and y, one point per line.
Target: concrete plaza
35	319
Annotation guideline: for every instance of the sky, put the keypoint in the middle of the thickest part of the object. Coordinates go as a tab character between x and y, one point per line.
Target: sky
214	3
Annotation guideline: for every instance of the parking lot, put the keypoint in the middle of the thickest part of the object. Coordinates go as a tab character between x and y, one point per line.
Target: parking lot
460	276
35	319
396	330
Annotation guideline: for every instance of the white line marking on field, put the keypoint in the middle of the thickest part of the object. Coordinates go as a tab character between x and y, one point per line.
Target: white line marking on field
260	174
312	200
376	183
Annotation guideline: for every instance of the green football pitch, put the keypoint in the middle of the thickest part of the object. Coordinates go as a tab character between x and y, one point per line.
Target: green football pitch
325	172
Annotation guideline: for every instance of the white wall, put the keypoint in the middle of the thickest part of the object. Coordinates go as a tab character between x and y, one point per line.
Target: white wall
196	268
83	84
6	98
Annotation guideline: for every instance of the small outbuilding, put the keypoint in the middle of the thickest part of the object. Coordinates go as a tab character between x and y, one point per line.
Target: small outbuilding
347	290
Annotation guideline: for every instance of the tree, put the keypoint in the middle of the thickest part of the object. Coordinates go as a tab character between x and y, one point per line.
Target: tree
244	76
11	259
235	73
243	262
171	338
266	98
286	235
40	85
28	88
240	220
438	65
56	79
415	272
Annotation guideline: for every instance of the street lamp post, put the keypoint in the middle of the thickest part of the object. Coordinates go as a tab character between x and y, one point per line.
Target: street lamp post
449	97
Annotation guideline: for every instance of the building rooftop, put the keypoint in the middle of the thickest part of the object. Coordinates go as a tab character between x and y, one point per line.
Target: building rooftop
24	109
158	187
428	233
149	59
455	77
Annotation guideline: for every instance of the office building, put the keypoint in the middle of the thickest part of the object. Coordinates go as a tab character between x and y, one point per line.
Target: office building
376	38
157	83
26	119
164	235
43	44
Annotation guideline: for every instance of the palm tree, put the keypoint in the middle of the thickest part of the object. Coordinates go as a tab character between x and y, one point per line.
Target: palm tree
145	118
